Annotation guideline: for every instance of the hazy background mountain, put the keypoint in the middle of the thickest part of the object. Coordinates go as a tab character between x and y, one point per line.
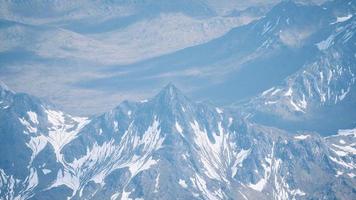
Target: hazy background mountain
64	44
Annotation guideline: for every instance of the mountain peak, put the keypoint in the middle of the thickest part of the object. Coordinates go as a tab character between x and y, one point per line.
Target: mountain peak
170	96
169	91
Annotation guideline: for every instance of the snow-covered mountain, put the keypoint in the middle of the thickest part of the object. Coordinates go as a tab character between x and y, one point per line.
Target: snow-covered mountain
324	85
291	135
32	136
167	147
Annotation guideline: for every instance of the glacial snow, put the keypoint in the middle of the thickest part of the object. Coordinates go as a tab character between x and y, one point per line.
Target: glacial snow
342	19
33	117
28	126
182	183
241	156
61	133
36	144
301	137
101	160
179	128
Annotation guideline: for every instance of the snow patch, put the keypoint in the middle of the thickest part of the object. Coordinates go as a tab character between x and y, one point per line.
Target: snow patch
182	183
230	121
200	184
33	117
157	183
325	44
210	152
339	173
125	195
289	92
219	110
28	126
348	149
116	126
36	144
68	179
179	128
301	137
267	91
275	92
347	132
342	163
342	19
56	118
46	171
295	106
241	156
259	185
61	133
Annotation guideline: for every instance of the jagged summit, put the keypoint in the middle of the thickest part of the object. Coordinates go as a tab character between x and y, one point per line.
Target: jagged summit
170	95
167	148
170	90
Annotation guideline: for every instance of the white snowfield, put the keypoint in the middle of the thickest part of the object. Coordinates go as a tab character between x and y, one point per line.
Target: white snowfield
301	137
342	19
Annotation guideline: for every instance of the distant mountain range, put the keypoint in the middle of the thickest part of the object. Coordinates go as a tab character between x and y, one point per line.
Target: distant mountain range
295	56
248	59
86	38
287	129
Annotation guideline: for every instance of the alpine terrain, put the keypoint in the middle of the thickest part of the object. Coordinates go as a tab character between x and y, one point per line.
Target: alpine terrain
265	107
167	147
